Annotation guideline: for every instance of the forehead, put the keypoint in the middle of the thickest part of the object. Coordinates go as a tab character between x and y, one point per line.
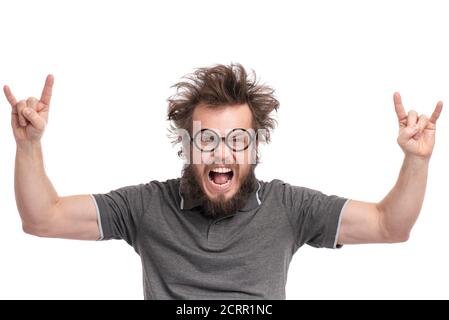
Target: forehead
223	118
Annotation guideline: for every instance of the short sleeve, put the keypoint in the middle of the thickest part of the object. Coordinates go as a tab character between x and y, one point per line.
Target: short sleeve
119	212
315	217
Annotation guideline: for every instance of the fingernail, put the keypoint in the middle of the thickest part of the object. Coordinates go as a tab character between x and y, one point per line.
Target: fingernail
27	112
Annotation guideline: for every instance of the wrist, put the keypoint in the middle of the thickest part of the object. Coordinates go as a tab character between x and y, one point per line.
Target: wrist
416	161
28	146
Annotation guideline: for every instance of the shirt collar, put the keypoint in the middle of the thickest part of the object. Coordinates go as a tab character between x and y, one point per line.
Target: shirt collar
188	203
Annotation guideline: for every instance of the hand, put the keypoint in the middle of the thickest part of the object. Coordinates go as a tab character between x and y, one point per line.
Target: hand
416	134
29	117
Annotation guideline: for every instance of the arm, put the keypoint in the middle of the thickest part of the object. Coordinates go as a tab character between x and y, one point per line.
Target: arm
42	211
392	219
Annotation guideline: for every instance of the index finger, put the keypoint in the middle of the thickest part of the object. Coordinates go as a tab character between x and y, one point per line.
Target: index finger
399	108
436	113
9	96
46	92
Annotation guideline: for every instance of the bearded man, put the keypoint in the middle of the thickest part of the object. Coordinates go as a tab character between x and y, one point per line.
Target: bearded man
217	232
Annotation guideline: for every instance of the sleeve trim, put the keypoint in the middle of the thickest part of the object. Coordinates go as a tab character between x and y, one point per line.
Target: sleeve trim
336	245
100	227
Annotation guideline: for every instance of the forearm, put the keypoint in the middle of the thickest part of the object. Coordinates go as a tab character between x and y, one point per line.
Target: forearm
402	205
35	195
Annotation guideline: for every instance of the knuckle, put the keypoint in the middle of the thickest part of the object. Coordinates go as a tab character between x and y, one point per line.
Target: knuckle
31	101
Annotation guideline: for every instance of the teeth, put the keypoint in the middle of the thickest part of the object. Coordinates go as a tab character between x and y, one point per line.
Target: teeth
221	170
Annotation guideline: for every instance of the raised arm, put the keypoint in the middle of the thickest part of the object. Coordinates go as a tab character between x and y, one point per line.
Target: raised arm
42	211
392	219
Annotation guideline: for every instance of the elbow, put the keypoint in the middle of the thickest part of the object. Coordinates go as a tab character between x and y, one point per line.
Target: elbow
398	237
393	232
39	225
36	230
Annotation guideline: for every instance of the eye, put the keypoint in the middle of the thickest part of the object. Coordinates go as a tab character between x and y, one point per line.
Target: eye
207	138
237	139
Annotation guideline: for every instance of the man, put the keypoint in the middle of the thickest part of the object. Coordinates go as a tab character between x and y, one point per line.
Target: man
217	232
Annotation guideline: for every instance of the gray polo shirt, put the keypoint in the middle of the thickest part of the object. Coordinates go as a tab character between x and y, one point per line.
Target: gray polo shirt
186	255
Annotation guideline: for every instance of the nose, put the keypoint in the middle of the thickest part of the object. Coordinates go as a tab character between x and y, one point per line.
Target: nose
222	153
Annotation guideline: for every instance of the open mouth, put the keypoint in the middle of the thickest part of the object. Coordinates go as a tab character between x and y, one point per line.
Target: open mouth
221	176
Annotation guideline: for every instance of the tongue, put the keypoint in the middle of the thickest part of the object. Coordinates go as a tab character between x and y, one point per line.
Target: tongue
220	178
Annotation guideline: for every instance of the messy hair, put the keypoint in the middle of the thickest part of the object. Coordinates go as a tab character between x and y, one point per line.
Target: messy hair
221	85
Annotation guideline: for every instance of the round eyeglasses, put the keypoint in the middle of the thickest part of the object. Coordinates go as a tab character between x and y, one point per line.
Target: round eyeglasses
238	139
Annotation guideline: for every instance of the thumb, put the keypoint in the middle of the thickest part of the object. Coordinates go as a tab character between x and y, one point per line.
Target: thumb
408	132
36	121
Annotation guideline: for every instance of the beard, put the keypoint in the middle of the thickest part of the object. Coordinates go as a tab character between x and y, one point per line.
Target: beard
220	207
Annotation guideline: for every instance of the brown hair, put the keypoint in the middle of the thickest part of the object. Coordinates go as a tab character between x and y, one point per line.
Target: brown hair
217	86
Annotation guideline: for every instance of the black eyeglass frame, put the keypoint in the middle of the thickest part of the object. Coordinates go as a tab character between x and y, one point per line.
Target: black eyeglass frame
219	139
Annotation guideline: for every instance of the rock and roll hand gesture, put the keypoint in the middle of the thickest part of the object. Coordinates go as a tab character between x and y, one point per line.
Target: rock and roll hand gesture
29	117
416	133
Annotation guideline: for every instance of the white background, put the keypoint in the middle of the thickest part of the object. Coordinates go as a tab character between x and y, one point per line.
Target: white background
335	65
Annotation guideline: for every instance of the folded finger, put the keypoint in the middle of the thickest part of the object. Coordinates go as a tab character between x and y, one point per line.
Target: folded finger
32	103
20	106
422	124
412	118
35	120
